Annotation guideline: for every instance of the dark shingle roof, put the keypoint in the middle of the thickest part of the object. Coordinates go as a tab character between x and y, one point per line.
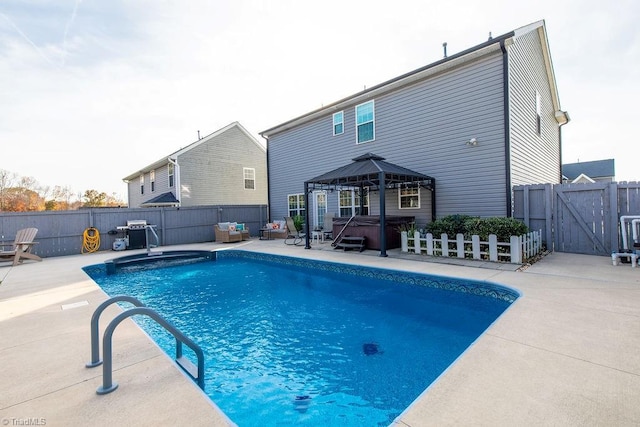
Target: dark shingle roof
593	169
162	199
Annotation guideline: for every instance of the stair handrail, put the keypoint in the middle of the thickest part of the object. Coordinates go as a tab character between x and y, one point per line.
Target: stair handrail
342	230
95	330
107	367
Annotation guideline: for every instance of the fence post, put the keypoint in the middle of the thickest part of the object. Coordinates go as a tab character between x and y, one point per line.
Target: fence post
444	242
493	247
416	243
516	249
429	244
475	246
460	245
404	242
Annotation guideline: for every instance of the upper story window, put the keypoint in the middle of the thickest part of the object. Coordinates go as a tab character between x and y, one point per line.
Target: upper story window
249	178
409	198
538	113
142	184
365	122
152	180
170	168
338	123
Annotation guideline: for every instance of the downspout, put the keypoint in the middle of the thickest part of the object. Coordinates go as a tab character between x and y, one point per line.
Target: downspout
507	126
268	180
560	143
176	179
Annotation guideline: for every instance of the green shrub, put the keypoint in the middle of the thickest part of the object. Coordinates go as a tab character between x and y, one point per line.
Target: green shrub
503	228
449	225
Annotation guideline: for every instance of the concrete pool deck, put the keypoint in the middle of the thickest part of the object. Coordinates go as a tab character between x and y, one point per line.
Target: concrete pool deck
566	353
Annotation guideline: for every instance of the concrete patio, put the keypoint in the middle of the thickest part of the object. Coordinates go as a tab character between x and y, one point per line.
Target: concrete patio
565	353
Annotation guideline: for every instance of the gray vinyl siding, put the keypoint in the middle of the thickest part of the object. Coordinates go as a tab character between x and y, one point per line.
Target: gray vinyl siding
423	127
535	158
212	172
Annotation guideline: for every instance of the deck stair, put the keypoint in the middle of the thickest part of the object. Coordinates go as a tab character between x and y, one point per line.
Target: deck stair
351	242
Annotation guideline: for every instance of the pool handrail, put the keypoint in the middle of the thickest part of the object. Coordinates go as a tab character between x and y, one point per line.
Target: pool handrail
95	330
107	379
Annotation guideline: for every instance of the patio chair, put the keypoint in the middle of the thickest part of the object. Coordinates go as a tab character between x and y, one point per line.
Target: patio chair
294	237
21	247
226	233
327	228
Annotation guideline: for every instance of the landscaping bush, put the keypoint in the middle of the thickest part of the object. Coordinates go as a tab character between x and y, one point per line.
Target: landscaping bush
449	225
503	228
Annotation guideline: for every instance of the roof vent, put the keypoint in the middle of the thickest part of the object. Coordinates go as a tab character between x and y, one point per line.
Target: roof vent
444	46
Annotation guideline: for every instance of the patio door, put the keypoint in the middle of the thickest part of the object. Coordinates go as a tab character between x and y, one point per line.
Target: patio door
319	209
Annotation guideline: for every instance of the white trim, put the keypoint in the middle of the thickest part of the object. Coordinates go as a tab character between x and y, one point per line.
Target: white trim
333	122
409	195
373	120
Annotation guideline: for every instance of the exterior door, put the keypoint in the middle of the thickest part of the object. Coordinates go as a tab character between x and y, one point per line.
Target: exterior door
319	209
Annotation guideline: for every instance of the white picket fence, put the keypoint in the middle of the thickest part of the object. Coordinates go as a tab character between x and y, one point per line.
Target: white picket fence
519	248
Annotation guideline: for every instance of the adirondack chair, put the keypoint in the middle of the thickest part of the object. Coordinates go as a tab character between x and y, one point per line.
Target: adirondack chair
21	247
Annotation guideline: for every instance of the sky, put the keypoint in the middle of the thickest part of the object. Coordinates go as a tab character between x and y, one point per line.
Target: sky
92	91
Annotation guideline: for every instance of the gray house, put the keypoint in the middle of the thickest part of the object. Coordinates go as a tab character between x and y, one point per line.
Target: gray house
475	123
227	167
589	172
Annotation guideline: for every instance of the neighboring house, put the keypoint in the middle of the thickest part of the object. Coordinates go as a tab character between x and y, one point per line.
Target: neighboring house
227	167
589	172
478	122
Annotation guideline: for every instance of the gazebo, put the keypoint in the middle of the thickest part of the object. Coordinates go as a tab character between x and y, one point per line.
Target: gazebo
372	171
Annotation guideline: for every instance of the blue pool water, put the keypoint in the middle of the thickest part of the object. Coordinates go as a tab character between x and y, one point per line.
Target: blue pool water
299	342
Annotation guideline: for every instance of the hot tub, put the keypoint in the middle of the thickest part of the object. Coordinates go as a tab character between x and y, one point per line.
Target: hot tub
369	226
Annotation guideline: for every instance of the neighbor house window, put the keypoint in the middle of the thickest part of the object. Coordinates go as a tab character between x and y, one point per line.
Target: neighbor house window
350	203
142	184
152	180
538	113
365	122
170	168
296	205
249	178
338	123
409	198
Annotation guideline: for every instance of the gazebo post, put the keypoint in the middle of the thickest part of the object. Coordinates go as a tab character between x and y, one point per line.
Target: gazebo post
307	242
382	183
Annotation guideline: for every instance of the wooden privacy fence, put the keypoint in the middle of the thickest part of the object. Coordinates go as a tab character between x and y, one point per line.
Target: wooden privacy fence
577	218
516	251
61	232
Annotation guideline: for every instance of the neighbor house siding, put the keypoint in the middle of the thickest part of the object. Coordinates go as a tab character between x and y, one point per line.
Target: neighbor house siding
423	127
212	172
535	158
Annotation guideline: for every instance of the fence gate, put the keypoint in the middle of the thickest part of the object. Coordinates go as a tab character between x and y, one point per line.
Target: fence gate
583	218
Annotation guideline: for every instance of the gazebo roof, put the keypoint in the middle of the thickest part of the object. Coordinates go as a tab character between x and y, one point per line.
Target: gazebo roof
365	171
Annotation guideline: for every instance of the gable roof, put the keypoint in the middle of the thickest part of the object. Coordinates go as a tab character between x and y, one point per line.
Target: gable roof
592	169
492	45
164	160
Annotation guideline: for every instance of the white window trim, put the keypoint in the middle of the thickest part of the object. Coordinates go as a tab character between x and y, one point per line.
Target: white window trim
299	197
355	110
171	170
142	184
334	123
244	178
152	180
410	207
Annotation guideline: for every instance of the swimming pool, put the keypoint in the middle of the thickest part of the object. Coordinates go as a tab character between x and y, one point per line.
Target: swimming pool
291	341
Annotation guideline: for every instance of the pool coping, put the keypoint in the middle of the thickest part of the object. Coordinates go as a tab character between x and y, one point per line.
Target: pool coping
564	352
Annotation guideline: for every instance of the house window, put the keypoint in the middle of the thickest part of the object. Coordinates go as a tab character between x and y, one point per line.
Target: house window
142	184
538	113
296	205
365	122
409	198
338	123
350	203
249	178
152	180
170	168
